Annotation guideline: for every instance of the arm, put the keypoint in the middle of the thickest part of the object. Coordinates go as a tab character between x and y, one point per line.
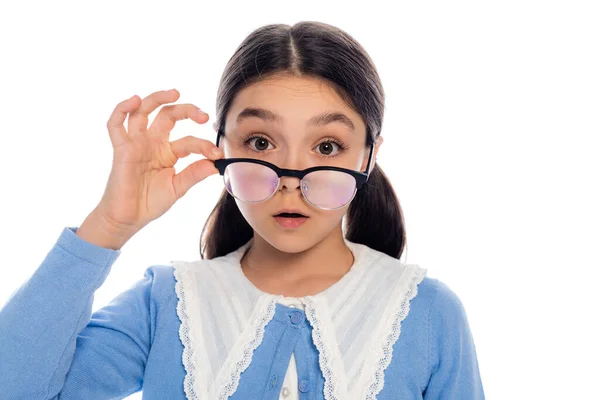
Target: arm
452	360
50	347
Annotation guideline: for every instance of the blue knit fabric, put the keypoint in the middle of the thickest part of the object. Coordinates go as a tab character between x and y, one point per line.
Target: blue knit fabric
53	347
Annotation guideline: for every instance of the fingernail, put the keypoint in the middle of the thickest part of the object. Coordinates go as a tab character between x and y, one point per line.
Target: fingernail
216	151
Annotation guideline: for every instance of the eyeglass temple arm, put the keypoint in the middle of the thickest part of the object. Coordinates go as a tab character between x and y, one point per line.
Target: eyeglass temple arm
218	137
366	171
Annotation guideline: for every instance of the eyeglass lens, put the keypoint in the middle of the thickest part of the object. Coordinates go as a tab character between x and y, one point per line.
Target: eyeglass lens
325	189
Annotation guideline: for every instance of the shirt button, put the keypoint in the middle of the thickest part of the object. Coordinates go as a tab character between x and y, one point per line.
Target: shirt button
303	386
273	380
297	317
285	392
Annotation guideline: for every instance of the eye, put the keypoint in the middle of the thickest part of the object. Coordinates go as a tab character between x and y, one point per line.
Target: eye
261	143
326	147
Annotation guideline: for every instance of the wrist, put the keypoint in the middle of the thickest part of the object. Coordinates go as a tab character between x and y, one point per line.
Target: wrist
97	229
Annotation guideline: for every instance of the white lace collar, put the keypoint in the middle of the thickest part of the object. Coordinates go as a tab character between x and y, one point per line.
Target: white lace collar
377	286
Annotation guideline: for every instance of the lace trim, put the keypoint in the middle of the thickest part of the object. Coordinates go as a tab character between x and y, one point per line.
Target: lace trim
253	335
319	333
251	340
188	357
384	352
241	356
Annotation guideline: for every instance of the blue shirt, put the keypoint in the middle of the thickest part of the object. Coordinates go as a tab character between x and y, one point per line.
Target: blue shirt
53	347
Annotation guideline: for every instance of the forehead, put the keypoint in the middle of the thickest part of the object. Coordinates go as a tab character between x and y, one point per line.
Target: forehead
293	100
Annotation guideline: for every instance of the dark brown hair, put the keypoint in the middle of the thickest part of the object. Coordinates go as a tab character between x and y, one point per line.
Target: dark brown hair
314	49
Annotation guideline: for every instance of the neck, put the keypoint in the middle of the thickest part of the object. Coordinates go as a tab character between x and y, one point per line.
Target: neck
302	273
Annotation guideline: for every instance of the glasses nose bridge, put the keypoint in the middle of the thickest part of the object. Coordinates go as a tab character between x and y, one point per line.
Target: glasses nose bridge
290	178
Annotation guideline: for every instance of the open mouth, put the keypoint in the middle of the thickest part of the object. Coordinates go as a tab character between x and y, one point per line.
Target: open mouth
290	220
291	215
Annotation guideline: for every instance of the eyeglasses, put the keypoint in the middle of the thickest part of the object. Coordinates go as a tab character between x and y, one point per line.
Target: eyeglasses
325	187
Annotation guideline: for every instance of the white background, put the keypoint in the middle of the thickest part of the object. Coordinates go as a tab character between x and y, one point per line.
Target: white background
491	141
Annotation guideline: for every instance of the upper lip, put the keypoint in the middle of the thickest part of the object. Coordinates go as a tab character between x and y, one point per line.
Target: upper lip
290	211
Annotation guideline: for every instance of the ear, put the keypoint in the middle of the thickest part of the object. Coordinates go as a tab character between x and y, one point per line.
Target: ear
374	158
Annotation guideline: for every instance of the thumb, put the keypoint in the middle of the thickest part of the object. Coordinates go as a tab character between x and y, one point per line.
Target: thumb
192	174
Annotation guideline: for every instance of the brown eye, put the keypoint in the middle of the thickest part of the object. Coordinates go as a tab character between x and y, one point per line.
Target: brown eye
261	143
326	148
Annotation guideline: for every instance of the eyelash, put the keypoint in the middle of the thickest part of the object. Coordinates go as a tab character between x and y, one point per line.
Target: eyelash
342	146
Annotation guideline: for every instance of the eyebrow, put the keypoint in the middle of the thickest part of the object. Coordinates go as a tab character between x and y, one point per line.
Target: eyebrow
322	119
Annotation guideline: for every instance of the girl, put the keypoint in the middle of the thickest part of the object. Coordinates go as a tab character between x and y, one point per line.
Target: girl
299	292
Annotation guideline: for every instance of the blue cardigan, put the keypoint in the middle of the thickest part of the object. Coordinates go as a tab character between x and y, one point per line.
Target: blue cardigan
53	347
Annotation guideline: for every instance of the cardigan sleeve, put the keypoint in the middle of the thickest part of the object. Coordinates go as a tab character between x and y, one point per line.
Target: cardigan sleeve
52	346
452	359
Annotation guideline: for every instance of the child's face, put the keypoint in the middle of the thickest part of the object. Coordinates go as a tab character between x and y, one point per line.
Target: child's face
293	144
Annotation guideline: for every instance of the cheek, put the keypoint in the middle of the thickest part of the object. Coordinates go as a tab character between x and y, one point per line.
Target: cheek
253	213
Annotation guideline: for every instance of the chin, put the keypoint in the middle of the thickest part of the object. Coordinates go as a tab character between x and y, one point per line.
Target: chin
287	245
309	234
288	240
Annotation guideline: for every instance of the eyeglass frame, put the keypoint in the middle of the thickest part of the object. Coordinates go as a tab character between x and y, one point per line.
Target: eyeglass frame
360	177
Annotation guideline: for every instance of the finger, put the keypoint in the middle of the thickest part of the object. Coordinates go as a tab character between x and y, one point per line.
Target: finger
191	175
138	119
169	115
190	144
116	129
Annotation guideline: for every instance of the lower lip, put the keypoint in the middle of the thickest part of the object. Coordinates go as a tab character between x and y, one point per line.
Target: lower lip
290	223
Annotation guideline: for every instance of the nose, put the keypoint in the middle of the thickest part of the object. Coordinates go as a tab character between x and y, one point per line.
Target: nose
289	183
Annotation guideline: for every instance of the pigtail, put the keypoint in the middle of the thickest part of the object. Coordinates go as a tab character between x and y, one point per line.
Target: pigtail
375	218
225	230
